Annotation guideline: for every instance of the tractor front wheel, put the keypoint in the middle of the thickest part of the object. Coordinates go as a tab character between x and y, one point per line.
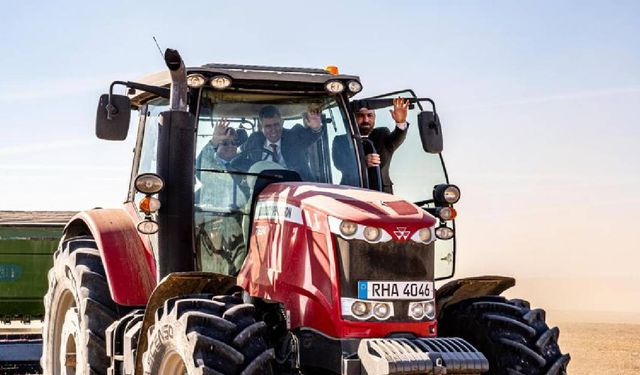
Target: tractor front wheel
514	338
200	335
78	309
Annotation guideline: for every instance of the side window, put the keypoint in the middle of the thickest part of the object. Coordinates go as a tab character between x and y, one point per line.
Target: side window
344	169
149	151
149	147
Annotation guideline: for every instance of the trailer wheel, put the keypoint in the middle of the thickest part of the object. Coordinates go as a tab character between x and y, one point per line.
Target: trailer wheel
514	338
196	335
78	309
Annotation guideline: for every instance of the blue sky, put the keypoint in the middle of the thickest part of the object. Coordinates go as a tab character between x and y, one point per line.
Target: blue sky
539	103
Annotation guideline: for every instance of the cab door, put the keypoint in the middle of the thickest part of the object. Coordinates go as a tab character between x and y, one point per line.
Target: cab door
413	171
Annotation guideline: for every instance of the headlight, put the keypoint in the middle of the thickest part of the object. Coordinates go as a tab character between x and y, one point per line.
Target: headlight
363	309
447	194
354	86
348	228
423	309
359	308
148	183
424	234
430	309
444	233
371	234
381	310
416	310
195	80
220	82
334	87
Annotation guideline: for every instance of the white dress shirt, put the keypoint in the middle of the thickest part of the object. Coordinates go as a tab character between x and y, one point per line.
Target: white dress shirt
267	145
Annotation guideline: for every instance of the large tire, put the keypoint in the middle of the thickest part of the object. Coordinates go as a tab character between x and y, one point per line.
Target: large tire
199	335
78	309
514	338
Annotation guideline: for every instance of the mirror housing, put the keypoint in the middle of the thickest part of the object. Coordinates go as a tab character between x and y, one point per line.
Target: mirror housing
112	119
430	132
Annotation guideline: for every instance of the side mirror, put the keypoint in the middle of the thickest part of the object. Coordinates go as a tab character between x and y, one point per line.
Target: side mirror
112	119
430	132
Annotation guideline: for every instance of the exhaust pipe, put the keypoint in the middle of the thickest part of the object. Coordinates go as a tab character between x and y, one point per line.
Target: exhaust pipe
179	88
175	163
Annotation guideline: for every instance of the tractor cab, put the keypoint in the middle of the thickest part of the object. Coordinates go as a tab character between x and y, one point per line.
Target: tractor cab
232	155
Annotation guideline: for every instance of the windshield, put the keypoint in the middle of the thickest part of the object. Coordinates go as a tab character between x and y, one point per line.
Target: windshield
242	136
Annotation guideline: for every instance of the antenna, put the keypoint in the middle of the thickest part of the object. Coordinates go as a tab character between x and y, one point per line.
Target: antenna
157	45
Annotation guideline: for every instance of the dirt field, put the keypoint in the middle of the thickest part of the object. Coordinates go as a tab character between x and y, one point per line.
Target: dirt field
601	348
595	348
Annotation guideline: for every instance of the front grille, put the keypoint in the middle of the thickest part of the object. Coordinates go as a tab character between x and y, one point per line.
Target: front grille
384	261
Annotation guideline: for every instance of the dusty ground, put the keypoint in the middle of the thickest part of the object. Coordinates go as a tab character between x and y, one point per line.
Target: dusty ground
601	349
595	348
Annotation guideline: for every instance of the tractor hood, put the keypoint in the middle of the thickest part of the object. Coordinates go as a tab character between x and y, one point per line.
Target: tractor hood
348	203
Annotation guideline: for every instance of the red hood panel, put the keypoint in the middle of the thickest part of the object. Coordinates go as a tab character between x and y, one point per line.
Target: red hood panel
348	203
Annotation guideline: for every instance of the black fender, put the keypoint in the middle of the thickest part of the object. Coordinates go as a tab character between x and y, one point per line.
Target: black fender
177	284
470	287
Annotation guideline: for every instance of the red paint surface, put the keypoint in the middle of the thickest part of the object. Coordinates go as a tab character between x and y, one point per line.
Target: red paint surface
127	260
295	263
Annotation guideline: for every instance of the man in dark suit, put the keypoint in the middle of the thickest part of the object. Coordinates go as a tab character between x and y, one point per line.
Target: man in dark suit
287	147
386	142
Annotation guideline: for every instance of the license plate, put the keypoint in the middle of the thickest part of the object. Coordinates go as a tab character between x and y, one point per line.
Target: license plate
419	290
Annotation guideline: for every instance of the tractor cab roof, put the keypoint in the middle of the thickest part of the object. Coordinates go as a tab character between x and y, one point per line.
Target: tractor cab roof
253	78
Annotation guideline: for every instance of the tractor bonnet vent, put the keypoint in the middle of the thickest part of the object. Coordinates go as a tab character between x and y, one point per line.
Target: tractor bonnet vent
402	207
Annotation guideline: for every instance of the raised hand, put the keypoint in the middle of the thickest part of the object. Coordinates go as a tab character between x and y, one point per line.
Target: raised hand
399	111
313	119
220	131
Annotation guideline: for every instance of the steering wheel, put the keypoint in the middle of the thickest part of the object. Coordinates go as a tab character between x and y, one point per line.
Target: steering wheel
245	157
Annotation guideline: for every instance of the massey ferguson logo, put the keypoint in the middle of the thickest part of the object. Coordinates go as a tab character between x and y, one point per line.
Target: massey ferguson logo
401	233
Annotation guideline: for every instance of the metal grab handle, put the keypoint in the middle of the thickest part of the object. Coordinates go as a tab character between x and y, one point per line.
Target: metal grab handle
368	142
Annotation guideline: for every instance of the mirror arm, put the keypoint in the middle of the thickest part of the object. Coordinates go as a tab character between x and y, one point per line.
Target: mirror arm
378	103
422	203
112	111
433	104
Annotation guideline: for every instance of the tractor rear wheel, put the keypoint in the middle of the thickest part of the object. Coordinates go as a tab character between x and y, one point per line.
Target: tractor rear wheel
514	338
78	309
200	335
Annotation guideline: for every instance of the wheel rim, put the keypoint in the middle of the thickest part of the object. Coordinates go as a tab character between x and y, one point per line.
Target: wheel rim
62	343
172	364
68	357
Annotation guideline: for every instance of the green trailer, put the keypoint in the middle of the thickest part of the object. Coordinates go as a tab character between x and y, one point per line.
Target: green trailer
27	242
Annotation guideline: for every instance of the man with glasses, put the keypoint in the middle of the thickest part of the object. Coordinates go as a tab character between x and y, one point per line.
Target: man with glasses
221	200
287	147
221	149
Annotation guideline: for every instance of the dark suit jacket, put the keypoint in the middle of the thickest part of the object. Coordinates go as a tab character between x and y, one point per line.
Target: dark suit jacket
385	141
294	143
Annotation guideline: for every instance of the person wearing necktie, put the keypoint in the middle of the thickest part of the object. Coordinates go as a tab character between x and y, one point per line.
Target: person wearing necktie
287	147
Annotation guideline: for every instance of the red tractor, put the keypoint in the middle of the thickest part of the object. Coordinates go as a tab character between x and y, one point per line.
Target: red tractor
250	264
